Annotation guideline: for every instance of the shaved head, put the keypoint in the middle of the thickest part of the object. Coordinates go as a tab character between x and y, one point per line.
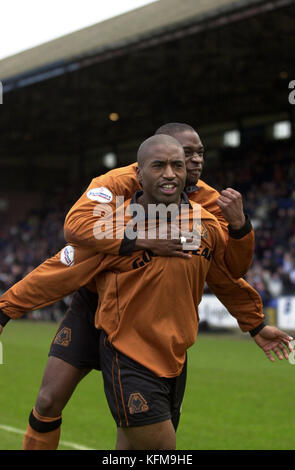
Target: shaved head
146	148
172	128
161	170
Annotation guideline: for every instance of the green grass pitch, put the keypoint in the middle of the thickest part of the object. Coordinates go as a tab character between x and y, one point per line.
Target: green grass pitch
235	399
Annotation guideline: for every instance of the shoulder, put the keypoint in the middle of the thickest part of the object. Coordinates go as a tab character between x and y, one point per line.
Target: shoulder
120	181
205	188
128	171
204	214
207	197
205	221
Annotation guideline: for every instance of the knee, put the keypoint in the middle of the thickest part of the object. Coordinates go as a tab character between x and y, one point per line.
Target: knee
47	404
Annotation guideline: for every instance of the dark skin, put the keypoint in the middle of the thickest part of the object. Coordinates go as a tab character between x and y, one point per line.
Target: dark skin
159	168
230	201
162	174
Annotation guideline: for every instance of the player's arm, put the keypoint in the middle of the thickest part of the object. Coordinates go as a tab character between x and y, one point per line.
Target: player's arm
50	282
97	219
237	230
244	303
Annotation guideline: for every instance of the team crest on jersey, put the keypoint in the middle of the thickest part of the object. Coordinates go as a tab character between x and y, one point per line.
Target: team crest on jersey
100	194
201	230
63	337
137	403
67	255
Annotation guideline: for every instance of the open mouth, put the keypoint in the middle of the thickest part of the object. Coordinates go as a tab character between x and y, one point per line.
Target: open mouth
168	188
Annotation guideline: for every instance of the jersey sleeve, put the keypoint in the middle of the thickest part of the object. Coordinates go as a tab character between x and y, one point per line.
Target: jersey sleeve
59	276
96	220
239	244
240	299
240	249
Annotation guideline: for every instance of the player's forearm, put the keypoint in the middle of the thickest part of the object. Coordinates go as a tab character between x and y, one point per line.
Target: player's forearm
50	282
84	230
97	219
239	298
240	249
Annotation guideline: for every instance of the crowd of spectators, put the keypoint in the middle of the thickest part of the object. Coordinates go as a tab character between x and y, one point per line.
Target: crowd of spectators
264	177
37	236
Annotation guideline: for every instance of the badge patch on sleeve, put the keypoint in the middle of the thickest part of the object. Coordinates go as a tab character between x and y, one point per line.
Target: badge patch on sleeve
100	194
67	255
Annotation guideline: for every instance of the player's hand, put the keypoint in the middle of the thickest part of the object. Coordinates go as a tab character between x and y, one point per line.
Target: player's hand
273	340
166	247
231	205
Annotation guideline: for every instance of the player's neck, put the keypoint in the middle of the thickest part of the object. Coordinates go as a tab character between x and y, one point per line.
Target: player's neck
144	200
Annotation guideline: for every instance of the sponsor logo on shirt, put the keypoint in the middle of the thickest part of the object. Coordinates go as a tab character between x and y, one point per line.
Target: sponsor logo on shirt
100	194
67	255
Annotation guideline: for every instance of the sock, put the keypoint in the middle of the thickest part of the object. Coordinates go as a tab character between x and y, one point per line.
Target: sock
42	433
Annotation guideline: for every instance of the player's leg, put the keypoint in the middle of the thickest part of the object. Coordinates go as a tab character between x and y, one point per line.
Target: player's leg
157	436
59	382
135	438
123	442
73	353
140	402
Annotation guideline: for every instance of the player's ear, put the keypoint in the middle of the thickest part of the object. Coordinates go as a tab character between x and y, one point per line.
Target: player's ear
139	175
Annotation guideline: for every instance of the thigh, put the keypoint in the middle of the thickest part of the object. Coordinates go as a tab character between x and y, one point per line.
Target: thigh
157	436
59	381
77	340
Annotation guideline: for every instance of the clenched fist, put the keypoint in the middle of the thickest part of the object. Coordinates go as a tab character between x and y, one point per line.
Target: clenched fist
231	205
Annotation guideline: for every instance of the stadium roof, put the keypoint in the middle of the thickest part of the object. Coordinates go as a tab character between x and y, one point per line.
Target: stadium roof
224	69
153	19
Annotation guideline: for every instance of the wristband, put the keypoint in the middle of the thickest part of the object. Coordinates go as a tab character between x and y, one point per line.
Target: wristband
257	329
4	318
241	232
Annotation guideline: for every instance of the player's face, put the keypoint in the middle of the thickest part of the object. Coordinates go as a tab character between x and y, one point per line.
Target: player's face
194	155
163	174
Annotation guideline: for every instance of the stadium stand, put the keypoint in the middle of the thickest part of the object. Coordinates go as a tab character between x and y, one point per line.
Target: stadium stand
215	64
269	199
265	177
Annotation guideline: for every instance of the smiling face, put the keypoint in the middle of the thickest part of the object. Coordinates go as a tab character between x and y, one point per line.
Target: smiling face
194	154
162	171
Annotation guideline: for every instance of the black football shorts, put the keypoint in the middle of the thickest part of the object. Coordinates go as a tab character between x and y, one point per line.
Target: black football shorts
136	396
77	339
